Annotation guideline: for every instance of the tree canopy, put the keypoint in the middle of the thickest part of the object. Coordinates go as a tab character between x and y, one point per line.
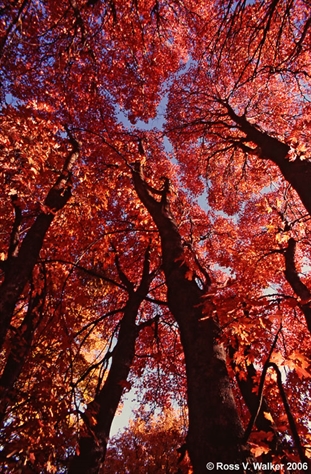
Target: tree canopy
155	219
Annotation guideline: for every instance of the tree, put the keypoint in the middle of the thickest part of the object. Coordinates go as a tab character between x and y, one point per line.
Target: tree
22	254
214	427
87	189
99	414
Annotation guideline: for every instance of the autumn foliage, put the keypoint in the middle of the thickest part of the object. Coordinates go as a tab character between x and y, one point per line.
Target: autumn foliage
155	234
151	443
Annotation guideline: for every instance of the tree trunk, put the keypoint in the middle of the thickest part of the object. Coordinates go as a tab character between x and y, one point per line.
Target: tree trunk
215	430
100	413
297	172
19	349
291	275
19	265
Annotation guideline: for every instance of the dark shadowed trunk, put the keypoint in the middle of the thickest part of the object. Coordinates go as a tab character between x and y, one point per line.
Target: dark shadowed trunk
297	172
23	255
20	346
291	275
215	430
99	414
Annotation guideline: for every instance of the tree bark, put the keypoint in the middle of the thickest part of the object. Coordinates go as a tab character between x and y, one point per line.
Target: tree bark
215	430
19	265
19	349
100	412
291	275
297	173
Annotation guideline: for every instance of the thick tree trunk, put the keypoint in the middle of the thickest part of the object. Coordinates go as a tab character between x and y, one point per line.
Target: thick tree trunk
100	413
215	430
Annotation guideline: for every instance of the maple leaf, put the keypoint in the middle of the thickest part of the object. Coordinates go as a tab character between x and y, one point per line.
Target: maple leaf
259	450
268	416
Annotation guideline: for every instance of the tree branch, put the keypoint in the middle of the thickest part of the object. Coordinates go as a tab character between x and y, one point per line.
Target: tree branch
291	275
